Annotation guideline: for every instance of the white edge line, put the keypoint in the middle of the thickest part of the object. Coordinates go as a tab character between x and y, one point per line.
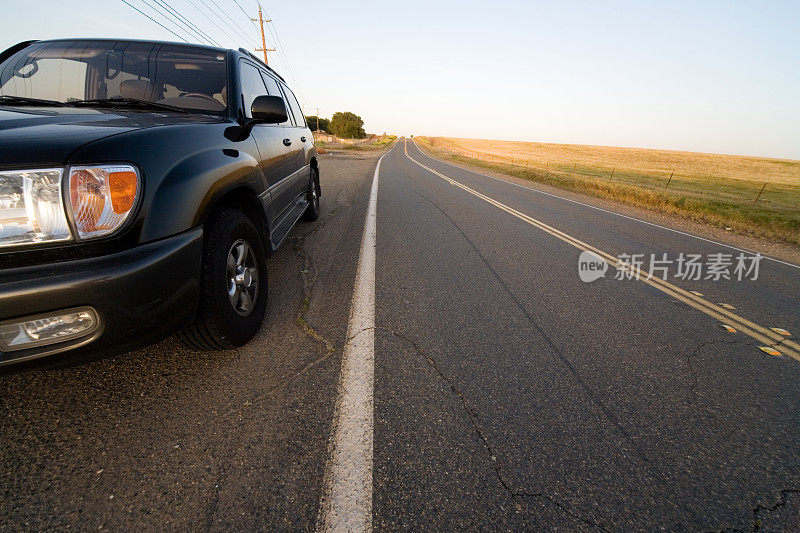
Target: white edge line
608	211
347	490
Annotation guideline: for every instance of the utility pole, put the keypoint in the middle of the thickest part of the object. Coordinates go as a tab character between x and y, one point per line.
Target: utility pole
263	48
317	120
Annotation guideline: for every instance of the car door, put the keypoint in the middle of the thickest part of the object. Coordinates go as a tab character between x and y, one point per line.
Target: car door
304	139
276	159
292	136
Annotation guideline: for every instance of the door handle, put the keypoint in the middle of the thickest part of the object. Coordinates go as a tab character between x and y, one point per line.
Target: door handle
287	142
303	139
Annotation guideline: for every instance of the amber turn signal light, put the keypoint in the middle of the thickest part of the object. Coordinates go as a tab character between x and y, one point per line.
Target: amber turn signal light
102	198
122	186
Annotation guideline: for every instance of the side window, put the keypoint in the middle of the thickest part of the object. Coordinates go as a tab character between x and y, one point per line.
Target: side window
252	85
297	111
273	90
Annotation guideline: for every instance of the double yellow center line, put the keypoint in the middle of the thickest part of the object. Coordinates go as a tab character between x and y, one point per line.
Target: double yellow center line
761	334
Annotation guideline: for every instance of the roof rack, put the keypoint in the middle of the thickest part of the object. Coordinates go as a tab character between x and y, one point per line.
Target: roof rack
253	56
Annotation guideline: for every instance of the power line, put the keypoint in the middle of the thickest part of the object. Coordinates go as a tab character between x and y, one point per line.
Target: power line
188	23
263	39
175	16
166	16
154	20
281	55
229	18
224	32
182	23
245	14
282	52
235	31
277	40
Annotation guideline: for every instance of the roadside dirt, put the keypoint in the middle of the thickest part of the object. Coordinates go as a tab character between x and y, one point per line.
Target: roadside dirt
165	438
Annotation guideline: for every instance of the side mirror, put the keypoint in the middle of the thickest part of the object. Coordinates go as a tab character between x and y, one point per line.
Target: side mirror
268	110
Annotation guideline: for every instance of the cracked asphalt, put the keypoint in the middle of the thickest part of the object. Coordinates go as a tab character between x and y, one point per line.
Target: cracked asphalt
169	439
509	395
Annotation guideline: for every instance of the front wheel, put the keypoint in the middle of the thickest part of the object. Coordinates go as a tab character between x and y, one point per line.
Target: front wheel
233	284
312	197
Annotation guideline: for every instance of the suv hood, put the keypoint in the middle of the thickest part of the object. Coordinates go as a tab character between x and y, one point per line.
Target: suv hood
39	136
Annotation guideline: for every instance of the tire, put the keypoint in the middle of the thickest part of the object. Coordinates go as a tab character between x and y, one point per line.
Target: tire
233	284
312	196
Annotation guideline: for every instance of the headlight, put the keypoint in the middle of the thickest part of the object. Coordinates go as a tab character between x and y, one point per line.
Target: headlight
102	197
31	207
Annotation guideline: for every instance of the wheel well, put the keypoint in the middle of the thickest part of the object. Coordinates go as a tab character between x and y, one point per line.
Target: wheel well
246	201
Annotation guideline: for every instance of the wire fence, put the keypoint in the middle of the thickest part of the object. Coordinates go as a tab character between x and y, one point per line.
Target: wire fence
667	180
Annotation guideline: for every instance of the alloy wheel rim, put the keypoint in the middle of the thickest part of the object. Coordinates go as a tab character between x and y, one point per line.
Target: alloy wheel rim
242	277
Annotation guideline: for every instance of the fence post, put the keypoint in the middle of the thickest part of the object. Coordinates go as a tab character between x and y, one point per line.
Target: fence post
669	180
573	169
759	192
612	173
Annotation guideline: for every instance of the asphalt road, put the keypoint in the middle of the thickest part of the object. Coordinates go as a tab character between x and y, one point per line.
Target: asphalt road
169	439
508	394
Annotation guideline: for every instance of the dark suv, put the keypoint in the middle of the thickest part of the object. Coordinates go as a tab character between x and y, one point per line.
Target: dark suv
142	185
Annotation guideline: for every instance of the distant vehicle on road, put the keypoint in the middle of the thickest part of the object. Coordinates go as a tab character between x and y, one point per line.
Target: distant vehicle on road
142	186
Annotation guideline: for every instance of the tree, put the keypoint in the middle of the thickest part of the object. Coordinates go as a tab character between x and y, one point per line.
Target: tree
324	124
347	125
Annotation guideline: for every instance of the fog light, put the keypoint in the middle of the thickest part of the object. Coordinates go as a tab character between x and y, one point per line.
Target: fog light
47	328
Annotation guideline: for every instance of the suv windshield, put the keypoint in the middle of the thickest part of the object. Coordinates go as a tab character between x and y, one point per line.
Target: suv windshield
173	75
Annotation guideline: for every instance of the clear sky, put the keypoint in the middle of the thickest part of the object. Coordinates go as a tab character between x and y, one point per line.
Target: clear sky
714	76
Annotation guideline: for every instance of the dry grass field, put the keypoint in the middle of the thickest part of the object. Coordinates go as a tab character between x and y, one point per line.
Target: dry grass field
713	188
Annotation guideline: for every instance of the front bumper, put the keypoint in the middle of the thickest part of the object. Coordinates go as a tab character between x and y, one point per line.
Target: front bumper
140	295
